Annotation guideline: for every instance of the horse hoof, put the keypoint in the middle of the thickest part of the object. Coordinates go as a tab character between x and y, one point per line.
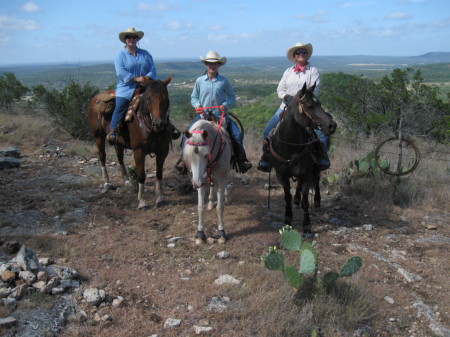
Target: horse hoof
200	241
309	236
143	206
107	186
210	206
222	240
160	201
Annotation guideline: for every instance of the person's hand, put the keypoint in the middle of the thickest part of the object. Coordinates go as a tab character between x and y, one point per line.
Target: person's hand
142	79
222	108
287	99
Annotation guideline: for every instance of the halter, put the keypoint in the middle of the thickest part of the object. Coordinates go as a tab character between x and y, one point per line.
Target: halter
211	162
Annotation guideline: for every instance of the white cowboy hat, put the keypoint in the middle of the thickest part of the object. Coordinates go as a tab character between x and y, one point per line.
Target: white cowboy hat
130	31
213	57
299	45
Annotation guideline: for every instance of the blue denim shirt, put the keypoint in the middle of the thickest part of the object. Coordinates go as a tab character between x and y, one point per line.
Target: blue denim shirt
129	66
212	93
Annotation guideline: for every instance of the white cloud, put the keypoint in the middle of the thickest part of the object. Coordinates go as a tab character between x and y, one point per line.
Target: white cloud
30	7
179	25
219	38
399	16
318	17
216	27
12	23
159	6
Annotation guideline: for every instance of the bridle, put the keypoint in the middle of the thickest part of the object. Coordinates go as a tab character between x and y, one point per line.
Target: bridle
211	162
297	155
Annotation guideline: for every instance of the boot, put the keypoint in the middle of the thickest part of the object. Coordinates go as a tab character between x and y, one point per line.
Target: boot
243	164
241	159
264	164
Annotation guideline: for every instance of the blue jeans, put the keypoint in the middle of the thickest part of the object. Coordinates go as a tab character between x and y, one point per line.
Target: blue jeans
119	112
232	129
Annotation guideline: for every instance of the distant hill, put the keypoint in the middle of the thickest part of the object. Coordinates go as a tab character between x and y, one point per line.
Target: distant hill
245	68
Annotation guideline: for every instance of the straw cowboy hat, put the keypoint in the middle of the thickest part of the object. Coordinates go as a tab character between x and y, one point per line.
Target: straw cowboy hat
299	45
213	57
130	31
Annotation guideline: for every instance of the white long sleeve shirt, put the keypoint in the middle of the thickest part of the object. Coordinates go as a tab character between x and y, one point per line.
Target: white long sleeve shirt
291	82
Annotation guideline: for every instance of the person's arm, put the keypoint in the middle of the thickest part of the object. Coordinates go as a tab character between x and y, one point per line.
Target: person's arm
121	71
230	95
195	96
152	71
282	86
315	78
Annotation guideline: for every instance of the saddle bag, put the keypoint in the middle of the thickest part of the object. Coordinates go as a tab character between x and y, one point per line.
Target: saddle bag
105	104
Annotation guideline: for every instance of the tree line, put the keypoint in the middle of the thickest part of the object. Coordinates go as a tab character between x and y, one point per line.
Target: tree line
400	100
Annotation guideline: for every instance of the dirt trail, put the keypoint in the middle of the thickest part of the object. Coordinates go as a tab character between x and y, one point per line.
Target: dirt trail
54	204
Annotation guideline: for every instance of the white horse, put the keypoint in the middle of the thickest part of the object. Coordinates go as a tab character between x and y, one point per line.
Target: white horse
207	152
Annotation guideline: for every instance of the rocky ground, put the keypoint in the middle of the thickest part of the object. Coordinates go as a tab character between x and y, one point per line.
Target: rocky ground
152	278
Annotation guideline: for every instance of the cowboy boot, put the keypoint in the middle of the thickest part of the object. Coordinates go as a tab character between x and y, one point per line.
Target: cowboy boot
264	164
241	159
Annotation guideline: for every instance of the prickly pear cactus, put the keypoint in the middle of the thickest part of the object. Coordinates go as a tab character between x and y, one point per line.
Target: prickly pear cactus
351	266
299	278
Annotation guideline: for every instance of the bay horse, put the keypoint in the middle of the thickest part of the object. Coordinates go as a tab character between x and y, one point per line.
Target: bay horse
146	133
207	153
291	151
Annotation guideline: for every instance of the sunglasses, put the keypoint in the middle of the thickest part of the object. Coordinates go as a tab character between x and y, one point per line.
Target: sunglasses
131	37
301	52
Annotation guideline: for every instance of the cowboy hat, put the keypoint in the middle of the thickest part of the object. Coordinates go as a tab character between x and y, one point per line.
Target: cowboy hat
299	45
130	31
213	57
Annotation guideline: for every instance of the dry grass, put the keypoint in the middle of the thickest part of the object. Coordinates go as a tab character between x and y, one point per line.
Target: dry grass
125	252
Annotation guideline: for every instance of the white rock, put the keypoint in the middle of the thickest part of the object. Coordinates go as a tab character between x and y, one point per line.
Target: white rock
201	329
226	279
172	323
389	299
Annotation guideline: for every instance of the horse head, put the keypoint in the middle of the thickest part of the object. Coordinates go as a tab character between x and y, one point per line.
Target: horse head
309	111
154	107
197	155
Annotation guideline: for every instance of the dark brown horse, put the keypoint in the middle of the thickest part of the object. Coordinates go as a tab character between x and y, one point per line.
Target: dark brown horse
147	133
291	150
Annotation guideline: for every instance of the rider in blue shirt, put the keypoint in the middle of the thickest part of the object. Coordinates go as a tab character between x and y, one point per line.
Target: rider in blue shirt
212	89
133	66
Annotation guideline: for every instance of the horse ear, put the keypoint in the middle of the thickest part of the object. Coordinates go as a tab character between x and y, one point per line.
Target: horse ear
187	134
205	134
303	89
168	79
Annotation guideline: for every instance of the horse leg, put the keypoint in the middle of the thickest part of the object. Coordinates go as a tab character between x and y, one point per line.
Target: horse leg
200	237
139	160
158	185
123	169
305	207
211	198
287	198
297	195
317	198
228	194
220	207
100	142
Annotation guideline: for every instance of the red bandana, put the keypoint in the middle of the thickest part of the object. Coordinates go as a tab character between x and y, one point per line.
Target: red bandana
299	67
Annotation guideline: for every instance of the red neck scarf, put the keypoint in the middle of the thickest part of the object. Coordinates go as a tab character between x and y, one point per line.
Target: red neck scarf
298	67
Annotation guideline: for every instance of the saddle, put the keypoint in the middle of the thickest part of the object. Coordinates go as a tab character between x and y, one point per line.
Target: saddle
106	102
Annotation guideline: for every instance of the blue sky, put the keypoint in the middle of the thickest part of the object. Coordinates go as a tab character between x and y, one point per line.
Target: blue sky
80	31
